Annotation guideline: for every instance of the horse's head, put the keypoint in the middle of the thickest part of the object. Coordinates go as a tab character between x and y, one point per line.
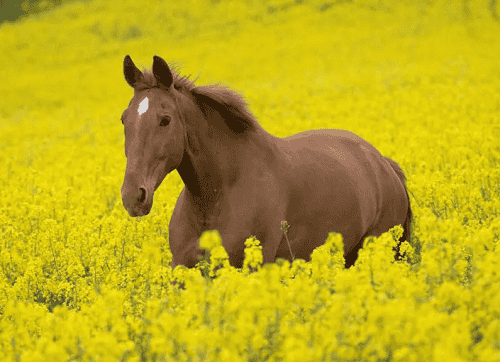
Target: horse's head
154	134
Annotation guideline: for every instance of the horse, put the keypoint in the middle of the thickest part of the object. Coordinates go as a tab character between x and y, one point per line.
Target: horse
242	181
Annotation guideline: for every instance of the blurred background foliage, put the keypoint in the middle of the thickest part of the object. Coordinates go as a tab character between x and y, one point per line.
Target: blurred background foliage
12	10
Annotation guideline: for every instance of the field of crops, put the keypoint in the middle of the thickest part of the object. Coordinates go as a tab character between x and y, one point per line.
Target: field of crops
80	280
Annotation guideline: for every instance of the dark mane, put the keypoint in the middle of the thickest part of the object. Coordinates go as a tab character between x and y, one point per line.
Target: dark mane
182	84
228	103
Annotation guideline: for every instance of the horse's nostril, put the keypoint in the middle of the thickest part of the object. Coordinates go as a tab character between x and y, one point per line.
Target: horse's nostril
142	196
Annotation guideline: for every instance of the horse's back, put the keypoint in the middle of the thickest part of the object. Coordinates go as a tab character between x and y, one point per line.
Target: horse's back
340	182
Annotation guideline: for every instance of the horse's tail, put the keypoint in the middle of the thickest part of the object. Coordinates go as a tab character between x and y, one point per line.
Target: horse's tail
409	214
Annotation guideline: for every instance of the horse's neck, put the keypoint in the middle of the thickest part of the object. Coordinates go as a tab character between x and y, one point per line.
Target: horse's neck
214	158
201	166
201	175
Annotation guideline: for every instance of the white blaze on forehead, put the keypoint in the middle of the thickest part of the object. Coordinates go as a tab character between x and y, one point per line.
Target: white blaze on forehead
143	106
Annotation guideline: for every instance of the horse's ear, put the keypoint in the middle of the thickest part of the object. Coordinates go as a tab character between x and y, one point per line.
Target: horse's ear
132	73
162	72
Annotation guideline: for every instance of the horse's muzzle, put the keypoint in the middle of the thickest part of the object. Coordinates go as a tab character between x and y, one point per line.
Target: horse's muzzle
137	200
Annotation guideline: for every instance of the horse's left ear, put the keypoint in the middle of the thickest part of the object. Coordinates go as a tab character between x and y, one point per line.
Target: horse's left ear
132	73
162	72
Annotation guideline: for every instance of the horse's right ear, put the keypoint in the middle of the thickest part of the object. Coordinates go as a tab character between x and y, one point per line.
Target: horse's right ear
162	72
132	73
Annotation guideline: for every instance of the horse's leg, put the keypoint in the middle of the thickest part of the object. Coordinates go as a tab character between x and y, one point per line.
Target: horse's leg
183	235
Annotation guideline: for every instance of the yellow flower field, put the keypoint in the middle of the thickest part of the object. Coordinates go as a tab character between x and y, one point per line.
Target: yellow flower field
82	281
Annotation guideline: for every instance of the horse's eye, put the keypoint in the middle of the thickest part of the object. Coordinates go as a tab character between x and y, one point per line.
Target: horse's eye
165	120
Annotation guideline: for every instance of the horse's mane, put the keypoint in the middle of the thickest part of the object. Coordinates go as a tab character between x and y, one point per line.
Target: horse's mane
228	103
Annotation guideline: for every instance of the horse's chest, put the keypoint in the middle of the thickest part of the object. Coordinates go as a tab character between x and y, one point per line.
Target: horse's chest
209	212
208	221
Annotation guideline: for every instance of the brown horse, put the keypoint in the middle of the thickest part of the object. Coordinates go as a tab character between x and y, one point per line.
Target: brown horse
242	181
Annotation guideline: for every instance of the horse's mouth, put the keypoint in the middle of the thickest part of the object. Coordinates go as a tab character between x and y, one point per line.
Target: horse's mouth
139	210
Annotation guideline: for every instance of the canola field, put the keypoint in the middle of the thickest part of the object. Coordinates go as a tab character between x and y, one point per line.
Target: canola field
82	281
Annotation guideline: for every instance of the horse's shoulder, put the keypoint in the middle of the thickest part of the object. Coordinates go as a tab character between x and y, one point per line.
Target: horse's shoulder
180	209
